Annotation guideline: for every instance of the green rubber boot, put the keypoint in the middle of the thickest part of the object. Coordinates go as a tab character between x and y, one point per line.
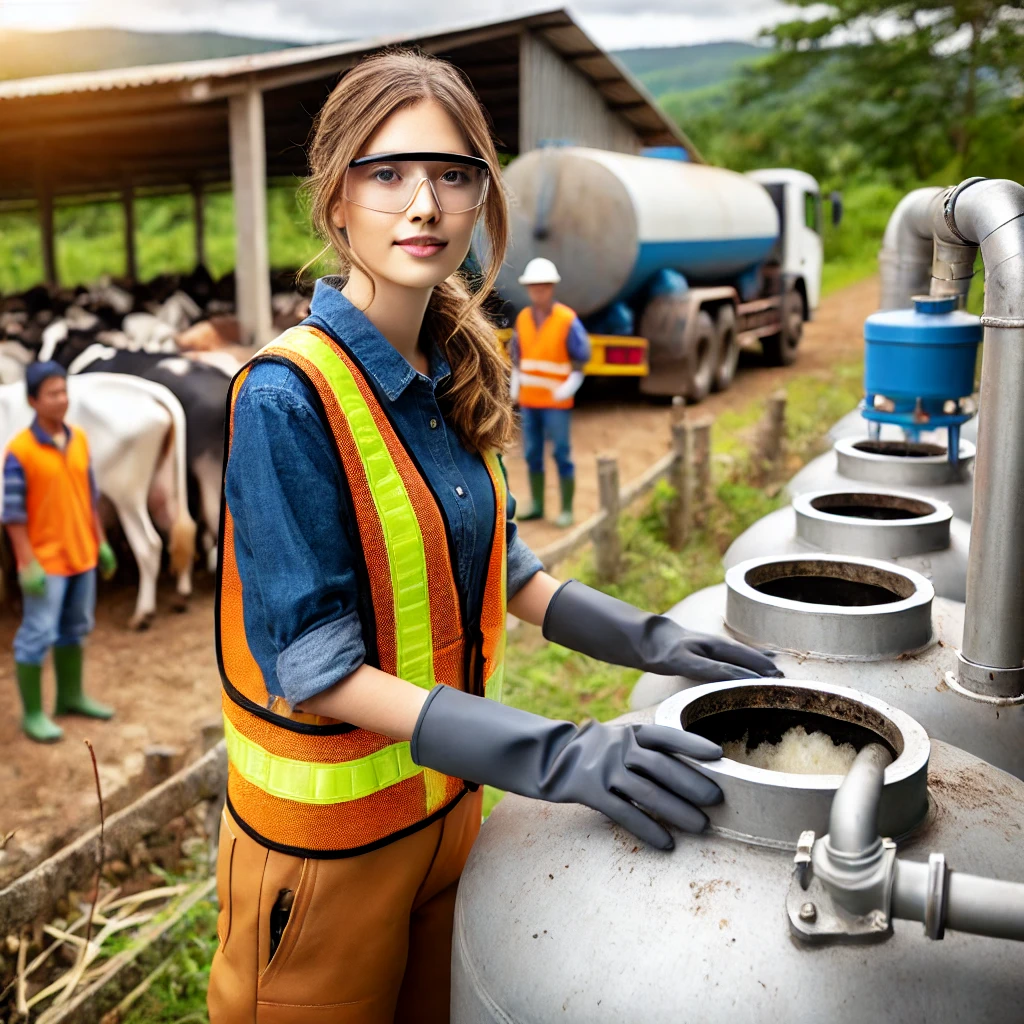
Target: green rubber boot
567	485
34	722
67	662
537	494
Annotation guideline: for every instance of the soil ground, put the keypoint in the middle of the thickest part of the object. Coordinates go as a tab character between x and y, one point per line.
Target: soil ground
164	682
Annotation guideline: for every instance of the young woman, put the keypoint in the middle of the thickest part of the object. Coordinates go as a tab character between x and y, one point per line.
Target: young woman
367	556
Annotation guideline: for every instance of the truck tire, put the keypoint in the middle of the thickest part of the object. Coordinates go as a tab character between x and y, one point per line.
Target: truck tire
728	349
683	356
780	349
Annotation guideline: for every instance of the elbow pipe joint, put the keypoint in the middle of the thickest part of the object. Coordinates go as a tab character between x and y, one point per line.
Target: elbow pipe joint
849	885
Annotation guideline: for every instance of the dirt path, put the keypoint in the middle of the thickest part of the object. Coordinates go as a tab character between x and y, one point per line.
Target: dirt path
164	683
637	431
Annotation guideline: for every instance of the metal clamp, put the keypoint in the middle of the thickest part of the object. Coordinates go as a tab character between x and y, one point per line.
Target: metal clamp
935	897
817	918
949	206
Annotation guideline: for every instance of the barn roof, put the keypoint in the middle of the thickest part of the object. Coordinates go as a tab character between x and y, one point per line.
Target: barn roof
167	125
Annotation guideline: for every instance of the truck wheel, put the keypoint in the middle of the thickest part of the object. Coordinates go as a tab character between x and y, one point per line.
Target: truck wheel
728	349
682	355
703	358
780	349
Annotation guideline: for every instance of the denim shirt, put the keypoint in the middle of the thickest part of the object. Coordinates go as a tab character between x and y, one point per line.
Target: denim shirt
296	539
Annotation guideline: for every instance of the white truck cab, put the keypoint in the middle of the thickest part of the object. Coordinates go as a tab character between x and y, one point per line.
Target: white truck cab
797	197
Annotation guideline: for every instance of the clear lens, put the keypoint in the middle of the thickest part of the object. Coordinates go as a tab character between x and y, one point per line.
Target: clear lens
389	186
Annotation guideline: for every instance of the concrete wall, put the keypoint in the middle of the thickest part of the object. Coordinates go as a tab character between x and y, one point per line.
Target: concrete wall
557	102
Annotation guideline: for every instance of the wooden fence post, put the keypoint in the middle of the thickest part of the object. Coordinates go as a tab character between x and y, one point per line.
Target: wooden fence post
679	479
700	434
772	439
607	547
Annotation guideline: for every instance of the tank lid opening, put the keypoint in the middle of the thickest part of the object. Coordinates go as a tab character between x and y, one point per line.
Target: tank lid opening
828	605
877	506
761	804
830	582
901	449
877	524
902	463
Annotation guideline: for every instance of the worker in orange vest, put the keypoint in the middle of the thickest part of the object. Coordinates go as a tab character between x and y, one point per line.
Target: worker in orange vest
549	348
50	512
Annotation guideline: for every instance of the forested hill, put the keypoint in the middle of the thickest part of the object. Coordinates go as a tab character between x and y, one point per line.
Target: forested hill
28	54
669	69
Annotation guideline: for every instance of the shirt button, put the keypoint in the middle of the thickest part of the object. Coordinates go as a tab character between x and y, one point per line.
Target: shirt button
459	491
433	423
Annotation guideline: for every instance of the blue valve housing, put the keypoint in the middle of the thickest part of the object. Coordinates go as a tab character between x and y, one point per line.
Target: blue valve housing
918	360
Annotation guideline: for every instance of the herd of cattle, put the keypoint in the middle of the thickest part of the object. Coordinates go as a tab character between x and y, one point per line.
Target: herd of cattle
149	368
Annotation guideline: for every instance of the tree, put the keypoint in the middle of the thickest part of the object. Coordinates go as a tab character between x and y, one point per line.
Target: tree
915	88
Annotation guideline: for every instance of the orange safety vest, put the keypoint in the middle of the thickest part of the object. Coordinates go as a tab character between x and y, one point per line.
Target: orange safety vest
58	502
544	362
313	786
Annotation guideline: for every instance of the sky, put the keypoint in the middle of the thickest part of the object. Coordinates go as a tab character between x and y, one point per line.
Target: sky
614	24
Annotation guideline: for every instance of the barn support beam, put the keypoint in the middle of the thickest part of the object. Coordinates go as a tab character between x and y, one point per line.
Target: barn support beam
249	183
46	235
199	222
131	263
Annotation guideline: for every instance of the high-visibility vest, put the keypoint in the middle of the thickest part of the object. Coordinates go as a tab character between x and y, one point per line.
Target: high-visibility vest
58	502
312	786
544	362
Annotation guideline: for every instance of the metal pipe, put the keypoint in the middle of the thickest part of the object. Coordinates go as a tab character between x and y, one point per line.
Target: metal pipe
853	820
965	903
905	261
990	214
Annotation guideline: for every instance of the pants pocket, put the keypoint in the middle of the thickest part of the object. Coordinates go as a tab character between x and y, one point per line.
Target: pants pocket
300	903
225	863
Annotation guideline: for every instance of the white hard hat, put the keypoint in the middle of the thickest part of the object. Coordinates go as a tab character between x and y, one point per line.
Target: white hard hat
540	271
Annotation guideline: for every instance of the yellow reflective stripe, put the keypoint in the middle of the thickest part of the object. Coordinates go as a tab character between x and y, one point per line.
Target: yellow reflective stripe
310	783
495	682
401	528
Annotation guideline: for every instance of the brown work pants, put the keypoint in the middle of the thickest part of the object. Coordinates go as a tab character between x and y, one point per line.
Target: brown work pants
368	939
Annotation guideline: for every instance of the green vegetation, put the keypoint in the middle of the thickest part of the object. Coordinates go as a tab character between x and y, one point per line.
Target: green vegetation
668	69
907	94
90	239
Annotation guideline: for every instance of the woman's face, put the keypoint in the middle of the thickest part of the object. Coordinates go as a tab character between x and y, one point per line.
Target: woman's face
422	246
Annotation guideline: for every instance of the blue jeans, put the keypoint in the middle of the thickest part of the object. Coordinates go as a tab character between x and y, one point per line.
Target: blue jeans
61	617
552	425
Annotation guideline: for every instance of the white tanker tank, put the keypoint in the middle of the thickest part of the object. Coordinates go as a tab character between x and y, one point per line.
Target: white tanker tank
697	259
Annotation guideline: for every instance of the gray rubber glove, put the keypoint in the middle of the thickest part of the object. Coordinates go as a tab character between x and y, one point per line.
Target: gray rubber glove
625	771
603	627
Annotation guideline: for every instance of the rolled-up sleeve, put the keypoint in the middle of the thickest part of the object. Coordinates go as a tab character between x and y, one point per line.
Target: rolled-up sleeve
523	564
293	541
15	492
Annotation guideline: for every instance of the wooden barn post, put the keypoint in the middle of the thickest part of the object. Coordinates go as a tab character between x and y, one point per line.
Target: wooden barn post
249	182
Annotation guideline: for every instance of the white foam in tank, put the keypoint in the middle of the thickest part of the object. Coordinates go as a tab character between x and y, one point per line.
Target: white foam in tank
798	751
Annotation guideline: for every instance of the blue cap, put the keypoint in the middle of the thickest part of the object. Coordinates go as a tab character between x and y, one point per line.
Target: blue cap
39	372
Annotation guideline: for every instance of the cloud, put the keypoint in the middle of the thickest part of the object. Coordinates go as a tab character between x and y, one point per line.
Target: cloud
613	23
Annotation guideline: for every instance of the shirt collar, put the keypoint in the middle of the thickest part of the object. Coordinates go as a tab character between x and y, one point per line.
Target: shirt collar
43	437
388	367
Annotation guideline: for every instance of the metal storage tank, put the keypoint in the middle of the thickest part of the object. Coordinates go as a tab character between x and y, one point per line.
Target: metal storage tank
562	915
918	533
920	468
611	221
856	622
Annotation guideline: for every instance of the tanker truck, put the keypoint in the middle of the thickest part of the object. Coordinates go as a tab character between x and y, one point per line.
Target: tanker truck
698	260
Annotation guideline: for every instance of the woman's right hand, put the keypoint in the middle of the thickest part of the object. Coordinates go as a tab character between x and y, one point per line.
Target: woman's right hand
628	772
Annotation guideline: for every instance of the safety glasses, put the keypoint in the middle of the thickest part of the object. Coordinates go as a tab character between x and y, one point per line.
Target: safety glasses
390	182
